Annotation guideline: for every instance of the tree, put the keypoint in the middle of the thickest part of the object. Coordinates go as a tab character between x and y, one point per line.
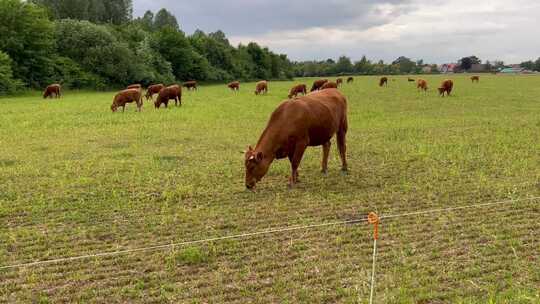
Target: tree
465	63
7	83
26	35
343	65
363	66
175	48
98	11
96	49
404	65
164	19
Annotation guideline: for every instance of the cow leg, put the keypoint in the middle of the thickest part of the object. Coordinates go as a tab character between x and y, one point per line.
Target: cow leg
326	152
342	147
295	159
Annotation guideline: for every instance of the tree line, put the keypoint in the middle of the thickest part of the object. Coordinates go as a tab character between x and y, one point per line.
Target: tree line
98	44
345	66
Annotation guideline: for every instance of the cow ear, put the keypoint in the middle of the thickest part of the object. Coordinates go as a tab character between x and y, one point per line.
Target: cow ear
250	148
259	156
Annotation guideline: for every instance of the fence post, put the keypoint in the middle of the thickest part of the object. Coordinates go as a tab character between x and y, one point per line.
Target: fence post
373	219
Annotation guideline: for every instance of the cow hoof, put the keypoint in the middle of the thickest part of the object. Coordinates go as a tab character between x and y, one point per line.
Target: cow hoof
324	172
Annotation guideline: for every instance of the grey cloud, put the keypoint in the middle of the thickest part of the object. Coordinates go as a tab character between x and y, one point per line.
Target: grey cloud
248	17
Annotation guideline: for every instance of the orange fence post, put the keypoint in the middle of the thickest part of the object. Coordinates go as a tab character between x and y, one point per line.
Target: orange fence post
374	220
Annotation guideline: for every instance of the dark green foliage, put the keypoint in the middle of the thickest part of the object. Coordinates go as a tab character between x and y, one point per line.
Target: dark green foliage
164	19
98	11
26	36
96	44
7	83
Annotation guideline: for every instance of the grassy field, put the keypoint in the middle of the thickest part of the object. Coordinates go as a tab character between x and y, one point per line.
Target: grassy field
76	179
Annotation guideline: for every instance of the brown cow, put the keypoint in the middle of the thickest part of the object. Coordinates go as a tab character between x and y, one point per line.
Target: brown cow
261	87
153	89
422	85
383	81
168	93
134	86
190	85
310	120
317	84
446	87
53	89
339	81
329	85
127	96
350	79
297	89
475	79
235	85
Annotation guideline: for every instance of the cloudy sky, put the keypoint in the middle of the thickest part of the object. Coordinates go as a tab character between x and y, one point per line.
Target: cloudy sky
437	31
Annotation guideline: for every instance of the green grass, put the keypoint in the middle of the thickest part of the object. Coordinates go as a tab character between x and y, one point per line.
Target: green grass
77	179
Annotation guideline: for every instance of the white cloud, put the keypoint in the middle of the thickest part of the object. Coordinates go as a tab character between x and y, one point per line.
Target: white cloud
436	31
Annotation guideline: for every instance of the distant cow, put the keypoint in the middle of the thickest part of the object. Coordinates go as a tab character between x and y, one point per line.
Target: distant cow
350	80
127	96
153	89
134	86
168	93
383	81
411	80
422	85
297	89
475	79
306	121
317	84
329	85
235	85
190	85
261	87
446	87
53	90
339	81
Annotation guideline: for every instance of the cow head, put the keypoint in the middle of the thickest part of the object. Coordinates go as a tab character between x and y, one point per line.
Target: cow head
256	167
441	91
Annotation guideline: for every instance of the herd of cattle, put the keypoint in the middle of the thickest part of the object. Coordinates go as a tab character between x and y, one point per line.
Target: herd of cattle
297	123
133	93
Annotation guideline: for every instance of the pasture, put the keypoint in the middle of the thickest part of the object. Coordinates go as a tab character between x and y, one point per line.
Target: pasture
76	179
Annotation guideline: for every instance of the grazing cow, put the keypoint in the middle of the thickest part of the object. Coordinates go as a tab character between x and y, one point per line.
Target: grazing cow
235	85
446	87
53	89
261	87
153	89
339	81
168	93
383	81
475	79
190	85
134	86
317	84
297	89
411	80
329	85
307	121
422	85
127	96
350	80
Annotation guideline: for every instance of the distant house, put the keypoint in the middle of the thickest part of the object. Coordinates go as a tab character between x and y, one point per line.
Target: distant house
479	68
512	70
426	69
448	68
